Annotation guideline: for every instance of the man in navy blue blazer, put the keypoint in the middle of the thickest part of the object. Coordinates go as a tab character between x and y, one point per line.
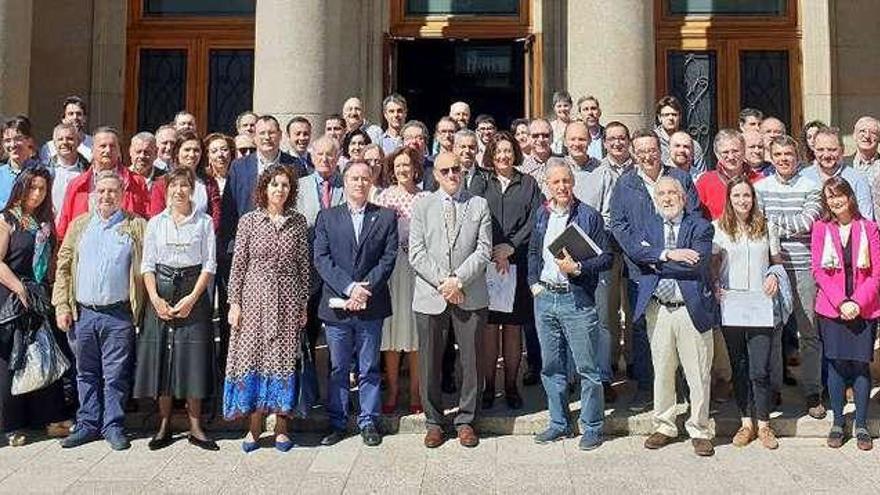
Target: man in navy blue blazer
565	308
672	254
243	174
355	250
632	204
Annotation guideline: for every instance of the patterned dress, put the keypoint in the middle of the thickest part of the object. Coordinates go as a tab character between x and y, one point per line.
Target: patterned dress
270	280
399	329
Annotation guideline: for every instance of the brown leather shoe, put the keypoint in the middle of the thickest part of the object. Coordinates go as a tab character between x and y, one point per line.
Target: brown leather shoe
434	438
703	447
657	440
743	437
467	437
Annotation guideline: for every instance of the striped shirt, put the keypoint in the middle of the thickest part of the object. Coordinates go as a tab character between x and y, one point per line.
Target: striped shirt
791	206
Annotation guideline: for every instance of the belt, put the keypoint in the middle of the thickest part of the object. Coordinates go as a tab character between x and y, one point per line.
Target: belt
106	308
668	305
178	273
557	288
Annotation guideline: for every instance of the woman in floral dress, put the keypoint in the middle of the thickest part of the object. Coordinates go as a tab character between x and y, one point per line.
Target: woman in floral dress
404	170
268	291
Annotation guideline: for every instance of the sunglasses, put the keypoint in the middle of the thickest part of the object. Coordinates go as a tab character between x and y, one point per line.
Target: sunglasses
246	151
451	170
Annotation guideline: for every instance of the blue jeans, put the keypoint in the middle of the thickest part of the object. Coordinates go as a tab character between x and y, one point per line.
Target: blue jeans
642	365
566	323
104	356
343	339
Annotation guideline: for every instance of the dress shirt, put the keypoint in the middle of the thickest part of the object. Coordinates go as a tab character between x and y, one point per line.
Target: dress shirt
676	226
190	243
8	175
649	182
390	143
595	149
263	164
103	269
357	220
556	223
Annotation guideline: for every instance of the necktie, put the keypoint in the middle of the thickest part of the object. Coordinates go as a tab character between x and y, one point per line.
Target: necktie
666	288
325	194
449	217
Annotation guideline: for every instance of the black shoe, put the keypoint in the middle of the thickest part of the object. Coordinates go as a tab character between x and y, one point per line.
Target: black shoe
158	442
788	380
371	436
514	401
448	385
334	437
609	393
206	444
531	377
488	399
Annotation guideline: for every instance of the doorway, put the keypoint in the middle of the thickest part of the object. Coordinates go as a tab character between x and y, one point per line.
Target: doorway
488	74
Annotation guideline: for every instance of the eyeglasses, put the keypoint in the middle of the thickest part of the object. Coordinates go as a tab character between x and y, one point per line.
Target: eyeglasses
454	170
246	151
536	135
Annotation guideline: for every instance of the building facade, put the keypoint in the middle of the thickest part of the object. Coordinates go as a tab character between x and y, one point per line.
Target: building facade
137	62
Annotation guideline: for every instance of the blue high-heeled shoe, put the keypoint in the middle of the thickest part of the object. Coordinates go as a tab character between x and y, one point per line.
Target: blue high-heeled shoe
284	446
248	447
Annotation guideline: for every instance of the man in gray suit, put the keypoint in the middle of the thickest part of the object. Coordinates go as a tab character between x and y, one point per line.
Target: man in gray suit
319	191
449	245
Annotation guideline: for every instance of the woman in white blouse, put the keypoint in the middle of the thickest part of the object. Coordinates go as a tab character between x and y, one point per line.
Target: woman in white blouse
175	357
745	245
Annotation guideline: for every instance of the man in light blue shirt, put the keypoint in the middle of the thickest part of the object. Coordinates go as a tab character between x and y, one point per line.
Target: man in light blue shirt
98	285
829	163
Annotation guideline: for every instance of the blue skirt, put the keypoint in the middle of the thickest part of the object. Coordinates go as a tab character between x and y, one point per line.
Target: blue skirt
256	392
848	340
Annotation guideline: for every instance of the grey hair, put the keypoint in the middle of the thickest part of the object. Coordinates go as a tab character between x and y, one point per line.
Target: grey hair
144	136
416	123
725	135
462	134
63	127
324	140
679	188
108	174
555	162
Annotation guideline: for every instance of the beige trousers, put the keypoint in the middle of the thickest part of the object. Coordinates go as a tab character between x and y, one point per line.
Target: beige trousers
674	341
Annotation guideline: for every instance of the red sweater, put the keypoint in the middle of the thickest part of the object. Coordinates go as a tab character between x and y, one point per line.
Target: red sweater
135	197
712	191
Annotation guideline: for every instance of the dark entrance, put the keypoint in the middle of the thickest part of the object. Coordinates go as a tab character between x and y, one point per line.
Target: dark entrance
489	75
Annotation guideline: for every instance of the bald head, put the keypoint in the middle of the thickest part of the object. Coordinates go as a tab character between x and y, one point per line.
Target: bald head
681	150
754	148
577	140
353	113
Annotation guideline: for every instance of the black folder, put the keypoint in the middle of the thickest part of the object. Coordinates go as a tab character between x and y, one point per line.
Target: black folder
578	244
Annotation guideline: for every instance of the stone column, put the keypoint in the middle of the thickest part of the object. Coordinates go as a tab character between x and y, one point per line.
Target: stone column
16	18
611	55
307	57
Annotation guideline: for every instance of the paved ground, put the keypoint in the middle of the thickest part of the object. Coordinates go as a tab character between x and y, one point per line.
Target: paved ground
506	464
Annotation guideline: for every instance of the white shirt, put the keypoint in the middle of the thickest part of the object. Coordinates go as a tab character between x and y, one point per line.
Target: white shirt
556	223
63	177
744	261
190	243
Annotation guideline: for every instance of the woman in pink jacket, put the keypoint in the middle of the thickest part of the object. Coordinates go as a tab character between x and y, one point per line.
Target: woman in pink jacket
846	265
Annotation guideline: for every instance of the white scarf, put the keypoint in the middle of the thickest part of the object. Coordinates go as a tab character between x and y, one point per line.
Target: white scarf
829	254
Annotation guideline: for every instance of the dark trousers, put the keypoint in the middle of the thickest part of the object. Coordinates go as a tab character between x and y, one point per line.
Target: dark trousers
641	367
105	352
843	373
750	351
363	339
433	329
533	345
32	410
313	323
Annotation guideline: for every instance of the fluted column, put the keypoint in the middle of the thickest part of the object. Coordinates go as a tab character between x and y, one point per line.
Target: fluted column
16	18
611	55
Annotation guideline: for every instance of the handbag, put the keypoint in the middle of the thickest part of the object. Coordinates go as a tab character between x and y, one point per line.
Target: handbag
307	381
43	362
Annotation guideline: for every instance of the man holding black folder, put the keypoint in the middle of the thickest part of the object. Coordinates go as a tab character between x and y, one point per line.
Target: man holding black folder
567	251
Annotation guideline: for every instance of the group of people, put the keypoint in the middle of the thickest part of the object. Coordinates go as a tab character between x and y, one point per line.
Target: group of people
379	241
